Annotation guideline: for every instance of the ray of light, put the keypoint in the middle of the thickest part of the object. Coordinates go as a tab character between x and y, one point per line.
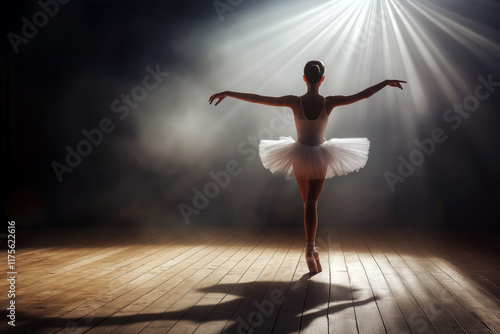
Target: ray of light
263	49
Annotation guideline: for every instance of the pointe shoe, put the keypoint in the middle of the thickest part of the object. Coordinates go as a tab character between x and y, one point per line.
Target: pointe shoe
312	258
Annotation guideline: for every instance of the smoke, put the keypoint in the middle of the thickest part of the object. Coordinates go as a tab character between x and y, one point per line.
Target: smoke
154	166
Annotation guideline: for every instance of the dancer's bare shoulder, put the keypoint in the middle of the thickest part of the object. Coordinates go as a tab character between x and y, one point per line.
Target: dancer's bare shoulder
293	101
333	101
330	103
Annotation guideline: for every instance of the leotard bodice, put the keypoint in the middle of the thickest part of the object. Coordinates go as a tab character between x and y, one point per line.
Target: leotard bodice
311	131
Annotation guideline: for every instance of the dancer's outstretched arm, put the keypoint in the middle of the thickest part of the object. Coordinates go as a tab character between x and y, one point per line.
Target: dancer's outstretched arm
340	100
283	101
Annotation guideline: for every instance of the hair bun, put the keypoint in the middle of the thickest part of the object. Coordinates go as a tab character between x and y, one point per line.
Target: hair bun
314	71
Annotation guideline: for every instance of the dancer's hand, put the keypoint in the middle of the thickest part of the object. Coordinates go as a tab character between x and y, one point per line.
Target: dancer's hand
221	96
395	83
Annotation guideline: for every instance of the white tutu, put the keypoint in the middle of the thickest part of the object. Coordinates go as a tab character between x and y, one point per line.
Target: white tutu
337	156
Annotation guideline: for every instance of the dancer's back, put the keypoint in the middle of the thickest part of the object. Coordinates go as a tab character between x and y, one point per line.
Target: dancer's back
311	130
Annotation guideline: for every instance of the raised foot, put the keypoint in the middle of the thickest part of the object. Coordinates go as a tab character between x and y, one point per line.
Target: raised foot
312	259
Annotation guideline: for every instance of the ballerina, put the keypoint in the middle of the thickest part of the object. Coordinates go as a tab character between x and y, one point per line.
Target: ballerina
311	158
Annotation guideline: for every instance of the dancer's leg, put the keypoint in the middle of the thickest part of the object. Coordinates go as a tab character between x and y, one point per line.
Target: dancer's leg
310	191
302	183
314	188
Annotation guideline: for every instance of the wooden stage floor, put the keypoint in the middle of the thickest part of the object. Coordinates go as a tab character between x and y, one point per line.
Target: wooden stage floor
191	280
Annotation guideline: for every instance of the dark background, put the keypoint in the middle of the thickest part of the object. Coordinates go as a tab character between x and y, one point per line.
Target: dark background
65	78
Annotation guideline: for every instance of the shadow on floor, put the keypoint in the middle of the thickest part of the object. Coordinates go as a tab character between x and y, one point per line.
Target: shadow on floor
257	303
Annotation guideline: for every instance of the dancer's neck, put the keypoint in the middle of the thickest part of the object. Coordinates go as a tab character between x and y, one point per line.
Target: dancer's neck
313	90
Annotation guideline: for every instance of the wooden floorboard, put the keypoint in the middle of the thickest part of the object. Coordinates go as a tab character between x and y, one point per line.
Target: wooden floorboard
215	280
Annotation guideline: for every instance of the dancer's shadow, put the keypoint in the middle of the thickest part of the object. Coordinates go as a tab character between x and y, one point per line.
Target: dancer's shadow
255	303
243	302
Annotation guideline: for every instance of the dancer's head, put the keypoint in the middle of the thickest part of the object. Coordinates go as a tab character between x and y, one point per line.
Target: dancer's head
314	71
